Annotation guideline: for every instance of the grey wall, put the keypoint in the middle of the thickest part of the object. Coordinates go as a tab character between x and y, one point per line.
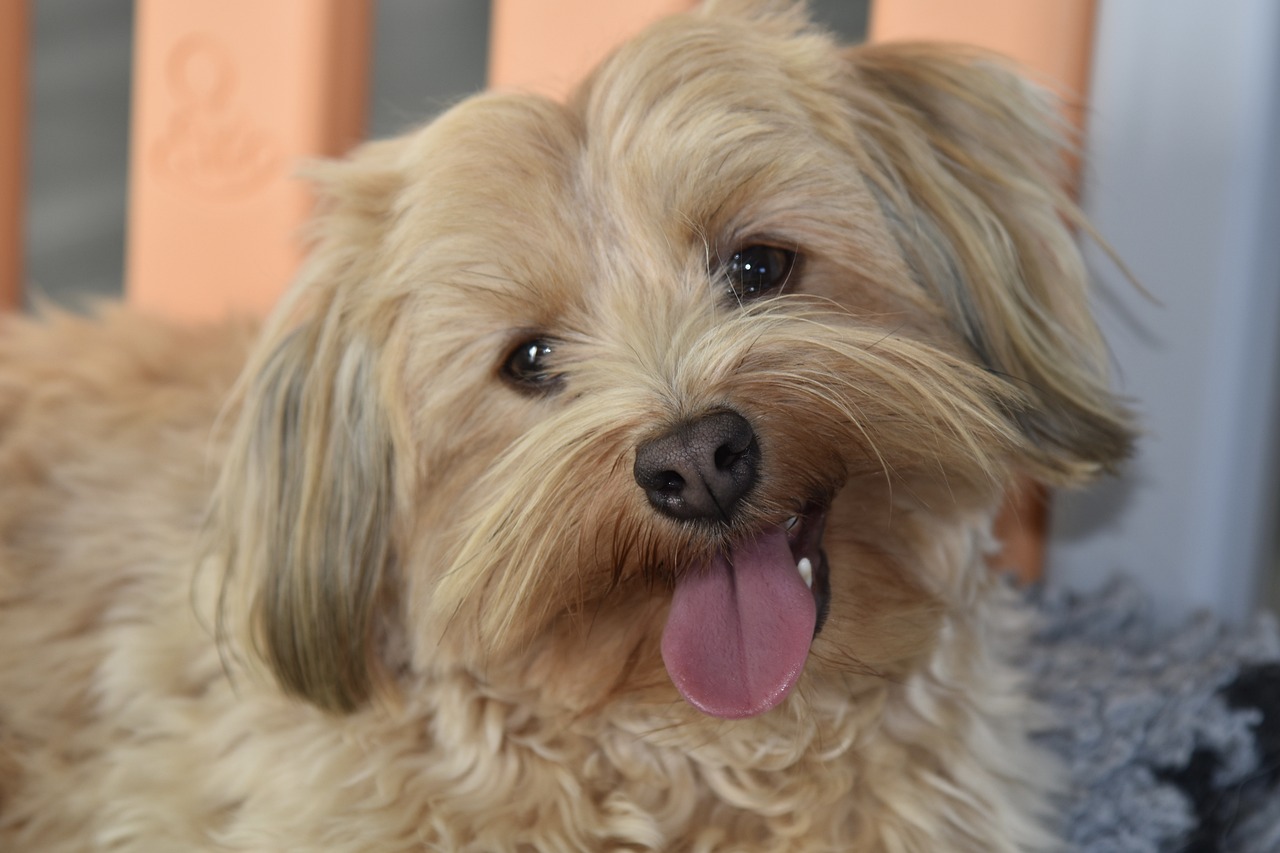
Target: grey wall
426	56
1183	179
78	146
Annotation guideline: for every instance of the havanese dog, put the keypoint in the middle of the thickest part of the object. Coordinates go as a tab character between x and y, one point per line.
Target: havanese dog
617	475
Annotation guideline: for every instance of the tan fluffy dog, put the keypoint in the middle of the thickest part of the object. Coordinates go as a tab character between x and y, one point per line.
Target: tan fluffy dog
617	476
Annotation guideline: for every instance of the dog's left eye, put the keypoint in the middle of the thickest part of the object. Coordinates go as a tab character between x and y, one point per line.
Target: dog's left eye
528	365
753	271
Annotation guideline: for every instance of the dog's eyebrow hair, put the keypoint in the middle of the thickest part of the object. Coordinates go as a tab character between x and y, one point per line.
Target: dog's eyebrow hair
495	277
716	215
699	231
724	201
519	292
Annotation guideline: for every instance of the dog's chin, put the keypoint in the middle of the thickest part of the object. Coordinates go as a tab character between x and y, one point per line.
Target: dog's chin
741	623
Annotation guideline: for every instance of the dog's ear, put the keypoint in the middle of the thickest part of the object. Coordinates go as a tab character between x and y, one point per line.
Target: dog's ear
304	507
968	161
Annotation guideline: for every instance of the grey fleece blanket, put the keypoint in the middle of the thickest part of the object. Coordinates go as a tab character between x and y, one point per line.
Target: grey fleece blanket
1171	733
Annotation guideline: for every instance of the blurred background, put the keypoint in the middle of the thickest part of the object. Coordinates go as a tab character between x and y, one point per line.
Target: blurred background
426	55
1182	176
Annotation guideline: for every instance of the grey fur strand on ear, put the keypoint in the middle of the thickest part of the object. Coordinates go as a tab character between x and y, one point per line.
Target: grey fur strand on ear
973	181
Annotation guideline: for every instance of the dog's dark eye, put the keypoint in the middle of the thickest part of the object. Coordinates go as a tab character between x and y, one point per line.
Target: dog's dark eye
528	366
753	271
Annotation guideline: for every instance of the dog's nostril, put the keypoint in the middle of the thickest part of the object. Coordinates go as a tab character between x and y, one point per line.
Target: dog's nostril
726	456
670	483
701	469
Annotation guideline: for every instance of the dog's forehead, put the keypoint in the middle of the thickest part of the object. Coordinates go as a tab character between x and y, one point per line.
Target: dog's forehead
487	207
696	107
696	130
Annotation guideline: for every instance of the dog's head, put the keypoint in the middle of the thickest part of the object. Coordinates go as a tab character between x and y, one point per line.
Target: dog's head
652	387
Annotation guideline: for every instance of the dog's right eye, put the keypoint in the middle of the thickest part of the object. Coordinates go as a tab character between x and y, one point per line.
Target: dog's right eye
528	366
756	270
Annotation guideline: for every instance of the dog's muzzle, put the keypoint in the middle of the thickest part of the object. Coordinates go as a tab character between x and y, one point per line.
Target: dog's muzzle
741	622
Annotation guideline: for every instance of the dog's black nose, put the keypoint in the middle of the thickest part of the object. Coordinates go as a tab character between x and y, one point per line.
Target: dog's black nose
702	469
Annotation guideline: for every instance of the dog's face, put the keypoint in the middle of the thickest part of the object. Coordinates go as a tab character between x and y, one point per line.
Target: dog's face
683	385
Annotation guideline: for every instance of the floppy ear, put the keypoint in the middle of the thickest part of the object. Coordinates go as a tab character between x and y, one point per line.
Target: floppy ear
304	509
968	161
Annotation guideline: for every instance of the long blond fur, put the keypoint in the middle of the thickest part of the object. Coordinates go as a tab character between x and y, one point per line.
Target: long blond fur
302	520
345	582
971	166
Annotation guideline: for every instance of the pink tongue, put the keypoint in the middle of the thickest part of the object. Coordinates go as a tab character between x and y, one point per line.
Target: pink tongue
740	629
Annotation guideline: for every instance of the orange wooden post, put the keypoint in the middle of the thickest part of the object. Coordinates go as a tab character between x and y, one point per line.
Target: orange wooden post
1021	528
548	46
229	97
14	34
1053	39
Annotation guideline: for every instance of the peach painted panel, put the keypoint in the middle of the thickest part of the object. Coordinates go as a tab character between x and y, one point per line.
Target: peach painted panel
14	34
1051	38
229	97
548	46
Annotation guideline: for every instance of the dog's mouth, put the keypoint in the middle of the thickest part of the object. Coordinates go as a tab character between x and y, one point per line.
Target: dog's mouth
740	626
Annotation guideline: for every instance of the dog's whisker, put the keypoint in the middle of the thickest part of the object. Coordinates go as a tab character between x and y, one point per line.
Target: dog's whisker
892	333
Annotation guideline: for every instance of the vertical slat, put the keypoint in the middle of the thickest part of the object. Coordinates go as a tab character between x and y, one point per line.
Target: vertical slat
1021	529
1053	39
14	36
548	46
229	97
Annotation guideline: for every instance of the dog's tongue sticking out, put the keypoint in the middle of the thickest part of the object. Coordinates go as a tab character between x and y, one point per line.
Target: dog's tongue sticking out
740	629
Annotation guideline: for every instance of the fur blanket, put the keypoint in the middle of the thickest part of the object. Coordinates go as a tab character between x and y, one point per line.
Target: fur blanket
1171	733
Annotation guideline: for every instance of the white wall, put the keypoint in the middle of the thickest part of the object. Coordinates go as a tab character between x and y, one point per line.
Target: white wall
1184	180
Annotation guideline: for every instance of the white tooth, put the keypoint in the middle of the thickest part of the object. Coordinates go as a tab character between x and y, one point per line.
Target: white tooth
806	571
